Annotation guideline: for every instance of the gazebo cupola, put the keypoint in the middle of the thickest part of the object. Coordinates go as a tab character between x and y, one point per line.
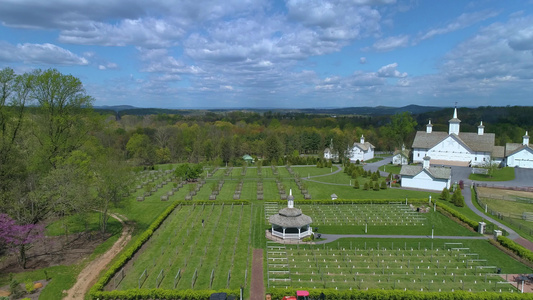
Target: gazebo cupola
290	222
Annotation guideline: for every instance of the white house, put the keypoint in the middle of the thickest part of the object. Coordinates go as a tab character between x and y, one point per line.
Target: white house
361	151
519	155
425	176
400	157
455	147
331	154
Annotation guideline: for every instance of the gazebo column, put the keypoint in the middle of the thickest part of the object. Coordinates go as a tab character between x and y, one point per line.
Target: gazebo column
283	232
299	232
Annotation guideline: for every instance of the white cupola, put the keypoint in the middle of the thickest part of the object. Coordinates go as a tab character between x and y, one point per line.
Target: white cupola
525	141
362	141
454	123
429	127
480	128
426	163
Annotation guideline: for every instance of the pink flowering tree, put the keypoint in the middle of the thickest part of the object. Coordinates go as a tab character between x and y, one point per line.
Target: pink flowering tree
18	238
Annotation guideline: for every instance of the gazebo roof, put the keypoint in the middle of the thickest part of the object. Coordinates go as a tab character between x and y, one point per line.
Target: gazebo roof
290	217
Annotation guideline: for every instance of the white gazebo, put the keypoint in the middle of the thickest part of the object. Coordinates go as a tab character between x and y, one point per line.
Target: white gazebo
290	222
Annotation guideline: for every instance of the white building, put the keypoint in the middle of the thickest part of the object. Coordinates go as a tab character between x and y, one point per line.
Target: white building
425	176
330	154
519	155
401	157
361	151
455	147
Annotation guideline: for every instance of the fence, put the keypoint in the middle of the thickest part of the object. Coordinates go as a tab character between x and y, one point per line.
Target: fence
507	217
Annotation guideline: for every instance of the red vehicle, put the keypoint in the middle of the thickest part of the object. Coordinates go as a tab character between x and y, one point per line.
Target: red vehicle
300	295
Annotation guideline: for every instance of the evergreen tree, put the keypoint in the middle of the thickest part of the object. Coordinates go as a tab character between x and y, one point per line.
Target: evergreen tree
458	199
383	185
445	194
366	186
376	186
356	184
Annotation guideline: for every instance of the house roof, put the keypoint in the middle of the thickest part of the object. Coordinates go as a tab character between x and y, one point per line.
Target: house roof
435	172
246	156
363	146
512	148
327	150
474	141
290	217
498	151
402	153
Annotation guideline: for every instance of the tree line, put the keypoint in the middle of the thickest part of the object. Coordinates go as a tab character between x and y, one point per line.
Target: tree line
53	160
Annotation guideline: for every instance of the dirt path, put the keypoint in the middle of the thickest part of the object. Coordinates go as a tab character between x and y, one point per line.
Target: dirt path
90	273
257	289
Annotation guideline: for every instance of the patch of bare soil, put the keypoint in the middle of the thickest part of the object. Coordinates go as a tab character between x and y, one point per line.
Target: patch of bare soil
89	274
53	251
486	192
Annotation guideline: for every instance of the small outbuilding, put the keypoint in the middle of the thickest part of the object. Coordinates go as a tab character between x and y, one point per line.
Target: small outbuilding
248	159
426	177
334	197
290	222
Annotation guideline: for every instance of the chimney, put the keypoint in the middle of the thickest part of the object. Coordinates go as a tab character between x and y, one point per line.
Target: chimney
290	200
426	163
362	139
480	128
526	139
429	127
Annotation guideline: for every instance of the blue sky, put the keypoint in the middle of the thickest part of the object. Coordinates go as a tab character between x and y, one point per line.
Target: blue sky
278	54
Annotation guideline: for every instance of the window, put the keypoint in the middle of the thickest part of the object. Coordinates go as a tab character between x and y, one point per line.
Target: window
418	154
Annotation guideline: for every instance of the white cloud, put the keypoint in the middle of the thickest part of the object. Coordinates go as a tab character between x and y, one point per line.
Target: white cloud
463	21
142	32
46	53
391	43
362	60
390	71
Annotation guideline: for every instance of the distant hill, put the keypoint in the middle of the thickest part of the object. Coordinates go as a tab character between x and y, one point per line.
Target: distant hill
365	110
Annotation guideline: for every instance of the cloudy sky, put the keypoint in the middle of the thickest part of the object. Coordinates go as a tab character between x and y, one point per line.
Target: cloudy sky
286	54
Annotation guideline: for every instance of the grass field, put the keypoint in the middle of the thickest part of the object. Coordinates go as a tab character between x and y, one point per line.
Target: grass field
503	174
197	247
421	265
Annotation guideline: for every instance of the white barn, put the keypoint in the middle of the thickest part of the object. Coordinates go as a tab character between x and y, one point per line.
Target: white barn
519	155
455	147
425	176
361	151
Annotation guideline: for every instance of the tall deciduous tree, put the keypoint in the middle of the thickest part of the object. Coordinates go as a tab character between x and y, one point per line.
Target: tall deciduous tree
400	129
60	125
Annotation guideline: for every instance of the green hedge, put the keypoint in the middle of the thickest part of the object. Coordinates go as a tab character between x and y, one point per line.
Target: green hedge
355	201
458	215
97	292
160	294
516	248
398	295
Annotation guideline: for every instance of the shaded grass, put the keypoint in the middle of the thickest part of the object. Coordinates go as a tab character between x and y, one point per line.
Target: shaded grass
503	174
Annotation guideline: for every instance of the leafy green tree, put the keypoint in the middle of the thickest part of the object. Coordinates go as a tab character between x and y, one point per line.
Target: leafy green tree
383	185
376	186
401	127
226	150
112	177
141	149
366	186
273	147
61	124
